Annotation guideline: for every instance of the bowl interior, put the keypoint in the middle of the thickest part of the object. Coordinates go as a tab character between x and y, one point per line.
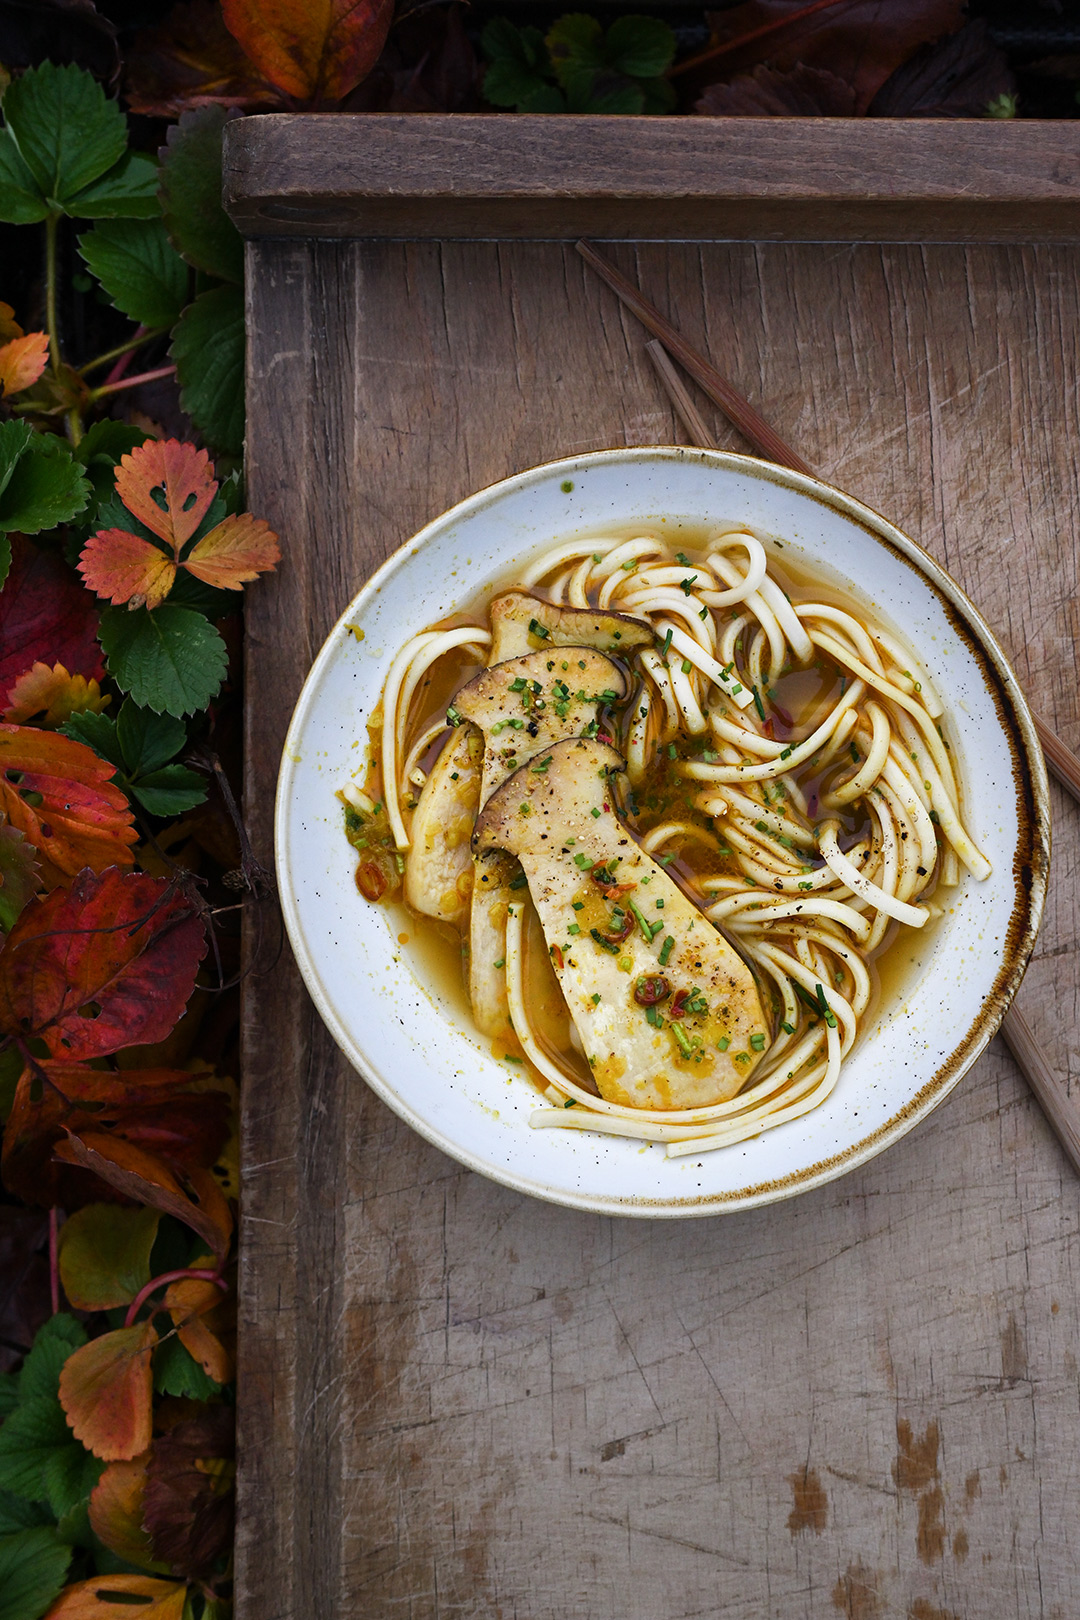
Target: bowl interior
409	1035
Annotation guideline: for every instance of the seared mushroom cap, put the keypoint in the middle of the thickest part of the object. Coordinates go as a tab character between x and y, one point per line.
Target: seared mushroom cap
438	867
521	623
668	1013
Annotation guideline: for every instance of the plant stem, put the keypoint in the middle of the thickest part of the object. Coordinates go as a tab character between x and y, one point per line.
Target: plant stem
143	335
52	225
200	1275
54	1262
131	382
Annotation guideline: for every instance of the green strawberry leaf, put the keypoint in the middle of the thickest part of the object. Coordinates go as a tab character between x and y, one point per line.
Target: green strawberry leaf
171	660
575	45
170	791
17	1514
176	1372
68	133
33	1568
9	1079
46	487
70	1474
208	347
148	741
625	99
128	191
39	1376
5	558
207	599
659	96
200	228
139	269
640	47
21	203
35	1432
99	452
14	438
98	732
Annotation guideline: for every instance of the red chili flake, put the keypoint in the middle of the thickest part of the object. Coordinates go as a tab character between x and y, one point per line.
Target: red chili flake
602	736
607	807
557	956
651	989
371	880
678	1006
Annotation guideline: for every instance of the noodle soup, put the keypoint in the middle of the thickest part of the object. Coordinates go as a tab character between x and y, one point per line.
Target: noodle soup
777	807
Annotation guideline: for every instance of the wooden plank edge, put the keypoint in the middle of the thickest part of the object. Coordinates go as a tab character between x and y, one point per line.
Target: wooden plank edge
470	176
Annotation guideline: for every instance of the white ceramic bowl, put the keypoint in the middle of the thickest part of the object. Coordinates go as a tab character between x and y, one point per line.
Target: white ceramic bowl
415	1047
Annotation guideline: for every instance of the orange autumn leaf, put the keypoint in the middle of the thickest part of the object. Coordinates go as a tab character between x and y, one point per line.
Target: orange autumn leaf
104	1597
22	360
9	326
180	475
196	1307
116	1513
51	696
315	50
58	794
122	567
106	1390
239	549
148	1180
169	487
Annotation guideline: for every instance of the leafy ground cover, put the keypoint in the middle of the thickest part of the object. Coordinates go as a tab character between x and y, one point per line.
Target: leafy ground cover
125	546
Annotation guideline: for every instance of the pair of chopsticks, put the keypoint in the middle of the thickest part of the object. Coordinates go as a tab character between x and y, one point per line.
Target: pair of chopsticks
1061	761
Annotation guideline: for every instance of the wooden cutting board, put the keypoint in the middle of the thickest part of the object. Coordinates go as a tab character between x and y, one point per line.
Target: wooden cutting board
455	1401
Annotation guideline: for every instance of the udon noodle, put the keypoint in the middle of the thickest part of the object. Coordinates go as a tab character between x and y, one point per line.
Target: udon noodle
784	760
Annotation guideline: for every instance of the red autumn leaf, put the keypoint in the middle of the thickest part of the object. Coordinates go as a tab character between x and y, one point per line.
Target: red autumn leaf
860	41
154	1110
239	549
51	696
116	1513
315	50
179	475
191	60
149	1180
45	615
58	793
104	1597
106	1390
22	360
123	567
109	962
957	78
188	1502
802	92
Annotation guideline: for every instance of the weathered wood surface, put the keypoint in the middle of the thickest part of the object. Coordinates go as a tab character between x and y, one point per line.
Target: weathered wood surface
455	1401
811	179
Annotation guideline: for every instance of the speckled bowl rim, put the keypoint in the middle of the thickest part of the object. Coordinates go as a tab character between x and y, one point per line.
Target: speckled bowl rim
1030	862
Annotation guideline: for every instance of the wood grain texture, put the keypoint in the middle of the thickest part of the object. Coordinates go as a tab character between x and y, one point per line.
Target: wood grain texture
456	175
455	1401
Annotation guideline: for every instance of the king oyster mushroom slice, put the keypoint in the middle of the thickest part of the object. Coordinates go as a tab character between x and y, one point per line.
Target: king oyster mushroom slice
589	880
439	865
521	623
522	706
438	862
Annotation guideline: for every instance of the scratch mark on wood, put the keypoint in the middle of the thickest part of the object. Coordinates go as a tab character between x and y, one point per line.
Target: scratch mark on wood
930	1536
972	1486
916	1464
811	1510
960	1546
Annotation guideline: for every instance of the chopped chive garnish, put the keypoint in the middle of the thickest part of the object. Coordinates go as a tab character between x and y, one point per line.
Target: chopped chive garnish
501	962
854	752
571	1102
659	905
538	770
789	1029
735	690
723	1043
687	666
647	928
604	944
823	1007
665	645
680	556
519	685
666	949
687	585
537	629
598	556
672	751
786	753
704	614
596	1000
654	1018
758	705
682	1039
453	718
595	812
581	860
757	1042
574	928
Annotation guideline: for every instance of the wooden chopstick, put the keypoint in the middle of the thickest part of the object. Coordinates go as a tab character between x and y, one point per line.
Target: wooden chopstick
1015	1029
1060	759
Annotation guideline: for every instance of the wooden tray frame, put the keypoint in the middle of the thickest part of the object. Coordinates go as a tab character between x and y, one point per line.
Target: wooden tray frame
455	1402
